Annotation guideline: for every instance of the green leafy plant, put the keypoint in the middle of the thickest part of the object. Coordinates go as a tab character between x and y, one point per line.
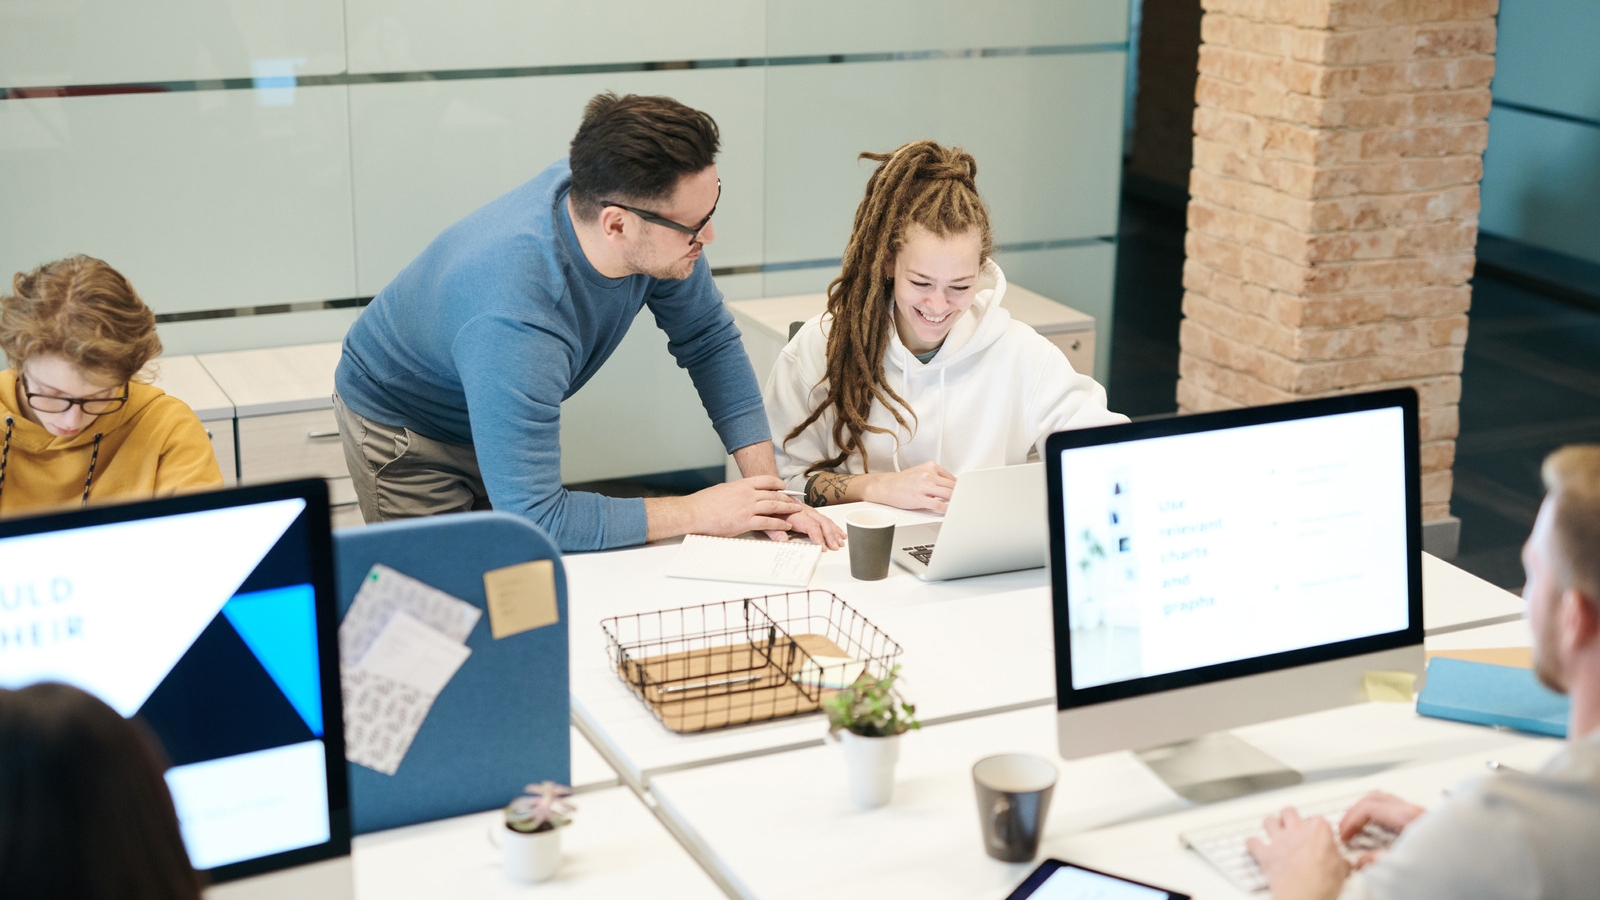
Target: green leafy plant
541	807
871	707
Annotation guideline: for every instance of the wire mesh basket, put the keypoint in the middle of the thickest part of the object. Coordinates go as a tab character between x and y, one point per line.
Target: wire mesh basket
716	665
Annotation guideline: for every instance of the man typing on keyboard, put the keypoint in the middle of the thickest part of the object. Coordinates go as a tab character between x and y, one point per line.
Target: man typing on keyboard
1513	834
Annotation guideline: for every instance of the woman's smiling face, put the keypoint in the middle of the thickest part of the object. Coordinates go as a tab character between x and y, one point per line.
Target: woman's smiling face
935	279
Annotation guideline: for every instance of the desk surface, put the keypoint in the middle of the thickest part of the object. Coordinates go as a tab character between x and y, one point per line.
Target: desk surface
760	819
997	617
614	848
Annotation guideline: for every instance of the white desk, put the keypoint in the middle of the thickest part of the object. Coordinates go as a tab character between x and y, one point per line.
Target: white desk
770	823
995	620
613	848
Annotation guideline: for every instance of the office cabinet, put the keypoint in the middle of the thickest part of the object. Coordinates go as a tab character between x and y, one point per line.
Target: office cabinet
283	404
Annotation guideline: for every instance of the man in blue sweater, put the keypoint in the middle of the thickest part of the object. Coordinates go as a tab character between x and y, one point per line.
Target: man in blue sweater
450	386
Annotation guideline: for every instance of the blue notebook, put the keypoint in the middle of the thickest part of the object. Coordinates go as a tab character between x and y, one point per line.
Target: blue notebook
1485	694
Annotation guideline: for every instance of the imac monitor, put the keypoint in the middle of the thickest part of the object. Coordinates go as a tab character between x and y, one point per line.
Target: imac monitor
211	617
1214	570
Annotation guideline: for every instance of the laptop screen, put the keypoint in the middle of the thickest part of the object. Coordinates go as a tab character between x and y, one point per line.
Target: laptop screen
210	617
1217	544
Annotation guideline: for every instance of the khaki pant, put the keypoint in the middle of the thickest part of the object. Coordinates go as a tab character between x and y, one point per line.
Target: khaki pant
399	474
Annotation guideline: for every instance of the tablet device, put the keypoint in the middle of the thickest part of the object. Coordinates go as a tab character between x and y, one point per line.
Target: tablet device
1057	880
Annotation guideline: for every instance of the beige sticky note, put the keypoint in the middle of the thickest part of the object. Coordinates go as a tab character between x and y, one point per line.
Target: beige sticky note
1388	687
521	597
1516	657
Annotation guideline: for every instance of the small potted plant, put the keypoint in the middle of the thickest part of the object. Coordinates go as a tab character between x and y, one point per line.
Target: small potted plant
531	843
869	716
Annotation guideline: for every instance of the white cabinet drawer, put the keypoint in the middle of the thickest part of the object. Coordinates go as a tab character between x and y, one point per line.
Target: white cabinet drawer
290	445
346	513
1078	347
221	434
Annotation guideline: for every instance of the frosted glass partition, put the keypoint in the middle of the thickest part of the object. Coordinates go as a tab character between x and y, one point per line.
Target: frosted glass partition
479	138
83	42
1541	182
204	199
260	168
802	27
990	106
408	35
1544	56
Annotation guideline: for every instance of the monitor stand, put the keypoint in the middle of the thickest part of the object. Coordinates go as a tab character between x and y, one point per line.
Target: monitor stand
1216	767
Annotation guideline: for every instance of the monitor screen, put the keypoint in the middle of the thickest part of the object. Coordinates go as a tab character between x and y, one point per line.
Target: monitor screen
1199	548
211	618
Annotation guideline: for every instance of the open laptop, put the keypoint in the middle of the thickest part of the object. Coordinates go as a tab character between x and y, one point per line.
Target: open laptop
996	523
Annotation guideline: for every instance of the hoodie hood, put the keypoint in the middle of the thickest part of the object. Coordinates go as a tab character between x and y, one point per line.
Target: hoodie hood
973	332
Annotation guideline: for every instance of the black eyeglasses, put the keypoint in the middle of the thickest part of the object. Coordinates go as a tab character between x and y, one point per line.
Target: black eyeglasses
693	233
46	403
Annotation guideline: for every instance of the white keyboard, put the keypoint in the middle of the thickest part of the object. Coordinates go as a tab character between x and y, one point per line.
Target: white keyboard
1223	845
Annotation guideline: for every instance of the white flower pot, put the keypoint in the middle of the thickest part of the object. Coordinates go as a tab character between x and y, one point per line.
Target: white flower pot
530	858
870	764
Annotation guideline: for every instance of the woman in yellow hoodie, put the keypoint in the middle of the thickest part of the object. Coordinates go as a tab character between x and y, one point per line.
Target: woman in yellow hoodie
75	427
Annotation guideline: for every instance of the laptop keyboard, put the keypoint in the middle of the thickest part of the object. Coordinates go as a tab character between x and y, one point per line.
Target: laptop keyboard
921	553
1223	845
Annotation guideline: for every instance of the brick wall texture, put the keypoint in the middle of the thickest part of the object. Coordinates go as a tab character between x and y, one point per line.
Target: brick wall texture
1338	146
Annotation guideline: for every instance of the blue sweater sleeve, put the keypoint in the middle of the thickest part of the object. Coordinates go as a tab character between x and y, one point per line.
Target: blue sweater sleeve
701	336
514	374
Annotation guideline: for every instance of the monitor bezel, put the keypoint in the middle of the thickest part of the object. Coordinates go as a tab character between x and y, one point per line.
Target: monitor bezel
314	492
1068	697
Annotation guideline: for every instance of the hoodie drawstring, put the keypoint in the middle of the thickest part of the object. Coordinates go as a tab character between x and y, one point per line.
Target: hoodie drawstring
5	457
93	458
5	452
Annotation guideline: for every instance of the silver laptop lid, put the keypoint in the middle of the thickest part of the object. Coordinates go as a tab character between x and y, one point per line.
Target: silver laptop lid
996	523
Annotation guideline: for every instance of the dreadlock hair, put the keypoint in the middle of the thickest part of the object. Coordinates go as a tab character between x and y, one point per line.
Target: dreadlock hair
922	184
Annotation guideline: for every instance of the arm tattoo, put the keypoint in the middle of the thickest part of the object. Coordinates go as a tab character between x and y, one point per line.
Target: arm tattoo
824	488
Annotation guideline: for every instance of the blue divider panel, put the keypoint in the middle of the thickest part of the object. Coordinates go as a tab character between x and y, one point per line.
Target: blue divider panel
503	720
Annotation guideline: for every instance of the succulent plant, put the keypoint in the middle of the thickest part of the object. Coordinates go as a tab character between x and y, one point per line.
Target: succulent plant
541	807
871	707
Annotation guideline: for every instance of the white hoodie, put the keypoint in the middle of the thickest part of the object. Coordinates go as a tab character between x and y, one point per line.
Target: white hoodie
991	396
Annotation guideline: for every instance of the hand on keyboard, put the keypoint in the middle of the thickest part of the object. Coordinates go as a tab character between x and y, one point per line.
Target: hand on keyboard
1372	823
1300	844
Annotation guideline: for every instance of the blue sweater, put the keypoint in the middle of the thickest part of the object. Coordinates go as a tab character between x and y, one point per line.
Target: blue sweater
501	318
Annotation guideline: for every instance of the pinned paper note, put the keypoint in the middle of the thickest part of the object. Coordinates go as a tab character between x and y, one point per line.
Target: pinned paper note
1388	687
383	593
521	597
400	643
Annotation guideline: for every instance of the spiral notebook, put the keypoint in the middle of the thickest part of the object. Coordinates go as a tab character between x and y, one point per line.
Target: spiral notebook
788	563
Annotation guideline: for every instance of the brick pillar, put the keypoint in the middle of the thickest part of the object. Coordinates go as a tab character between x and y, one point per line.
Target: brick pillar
1334	213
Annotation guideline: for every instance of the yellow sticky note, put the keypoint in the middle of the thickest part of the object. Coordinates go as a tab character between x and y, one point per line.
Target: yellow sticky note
521	597
1388	687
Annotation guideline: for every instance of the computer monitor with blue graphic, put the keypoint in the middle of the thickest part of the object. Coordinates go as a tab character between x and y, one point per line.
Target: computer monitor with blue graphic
211	617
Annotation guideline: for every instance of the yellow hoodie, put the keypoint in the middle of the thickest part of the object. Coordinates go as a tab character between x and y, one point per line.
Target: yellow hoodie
152	447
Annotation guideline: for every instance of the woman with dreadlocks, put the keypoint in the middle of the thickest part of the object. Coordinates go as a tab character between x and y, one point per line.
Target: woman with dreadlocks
75	427
916	372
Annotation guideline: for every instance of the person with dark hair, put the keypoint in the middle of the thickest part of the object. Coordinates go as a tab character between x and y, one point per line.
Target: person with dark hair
915	373
77	426
450	385
1511	834
84	809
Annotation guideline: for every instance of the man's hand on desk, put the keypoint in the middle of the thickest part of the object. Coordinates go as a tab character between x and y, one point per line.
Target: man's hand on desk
757	503
1299	858
814	525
